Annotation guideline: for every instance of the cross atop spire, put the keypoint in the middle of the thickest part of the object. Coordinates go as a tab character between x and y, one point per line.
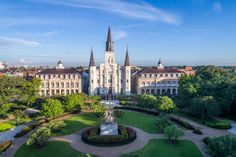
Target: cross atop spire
109	43
127	57
92	62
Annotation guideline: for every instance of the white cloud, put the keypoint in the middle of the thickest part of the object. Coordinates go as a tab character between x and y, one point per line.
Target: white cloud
51	33
217	7
139	10
24	61
16	41
119	34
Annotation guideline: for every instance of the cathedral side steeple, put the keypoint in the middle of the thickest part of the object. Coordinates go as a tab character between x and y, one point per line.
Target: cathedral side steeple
92	62
109	43
127	58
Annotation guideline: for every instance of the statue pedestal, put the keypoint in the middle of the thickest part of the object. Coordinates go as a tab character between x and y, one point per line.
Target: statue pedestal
109	129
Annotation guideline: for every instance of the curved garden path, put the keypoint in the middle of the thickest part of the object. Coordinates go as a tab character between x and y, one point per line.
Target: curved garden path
114	151
141	140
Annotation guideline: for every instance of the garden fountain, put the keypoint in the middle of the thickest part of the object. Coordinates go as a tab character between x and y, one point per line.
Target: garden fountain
109	127
108	133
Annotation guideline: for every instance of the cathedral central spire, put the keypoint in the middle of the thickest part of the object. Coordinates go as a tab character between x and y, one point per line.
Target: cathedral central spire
109	43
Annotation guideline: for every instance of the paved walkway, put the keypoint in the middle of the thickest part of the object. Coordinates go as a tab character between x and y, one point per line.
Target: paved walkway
141	140
207	132
18	142
9	134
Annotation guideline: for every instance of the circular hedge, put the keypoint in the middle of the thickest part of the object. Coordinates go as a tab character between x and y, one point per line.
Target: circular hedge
92	136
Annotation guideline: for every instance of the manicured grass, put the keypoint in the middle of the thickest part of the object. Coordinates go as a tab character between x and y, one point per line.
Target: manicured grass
139	120
52	148
213	123
77	122
161	148
80	121
5	126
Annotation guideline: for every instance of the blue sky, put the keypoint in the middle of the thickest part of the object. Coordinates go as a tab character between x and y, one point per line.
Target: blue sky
181	32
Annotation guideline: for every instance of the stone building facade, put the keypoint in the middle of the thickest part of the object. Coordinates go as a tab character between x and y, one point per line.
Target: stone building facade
158	81
109	78
59	81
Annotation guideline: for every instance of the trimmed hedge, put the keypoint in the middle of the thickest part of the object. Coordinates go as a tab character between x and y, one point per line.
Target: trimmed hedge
155	113
25	130
221	124
182	123
206	140
186	125
197	131
92	136
35	124
5	145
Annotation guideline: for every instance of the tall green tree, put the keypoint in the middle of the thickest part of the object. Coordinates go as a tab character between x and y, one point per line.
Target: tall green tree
52	108
19	114
165	104
209	81
147	101
204	107
30	91
73	102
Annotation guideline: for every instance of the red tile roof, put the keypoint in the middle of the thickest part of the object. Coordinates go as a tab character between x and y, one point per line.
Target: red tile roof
155	70
58	71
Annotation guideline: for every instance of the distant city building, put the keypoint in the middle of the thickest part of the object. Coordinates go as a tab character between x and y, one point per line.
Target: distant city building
2	65
188	70
110	78
159	80
59	81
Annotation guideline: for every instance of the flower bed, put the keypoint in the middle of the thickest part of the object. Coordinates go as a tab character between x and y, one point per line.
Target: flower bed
5	145
92	136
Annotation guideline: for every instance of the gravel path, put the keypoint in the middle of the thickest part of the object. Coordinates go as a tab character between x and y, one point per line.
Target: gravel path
141	140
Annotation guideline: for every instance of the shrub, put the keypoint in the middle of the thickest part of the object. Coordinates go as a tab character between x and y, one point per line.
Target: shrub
206	140
25	130
123	102
4	109
222	146
165	104
39	138
92	136
5	126
118	113
52	108
73	103
163	122
5	145
197	131
19	114
100	109
173	133
182	123
220	124
147	101
55	126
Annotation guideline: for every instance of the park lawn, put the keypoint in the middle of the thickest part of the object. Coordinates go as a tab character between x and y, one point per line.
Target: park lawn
162	148
5	126
135	119
139	120
52	148
78	122
213	123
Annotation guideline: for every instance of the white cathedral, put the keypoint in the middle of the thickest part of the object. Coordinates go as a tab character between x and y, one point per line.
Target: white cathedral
109	79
